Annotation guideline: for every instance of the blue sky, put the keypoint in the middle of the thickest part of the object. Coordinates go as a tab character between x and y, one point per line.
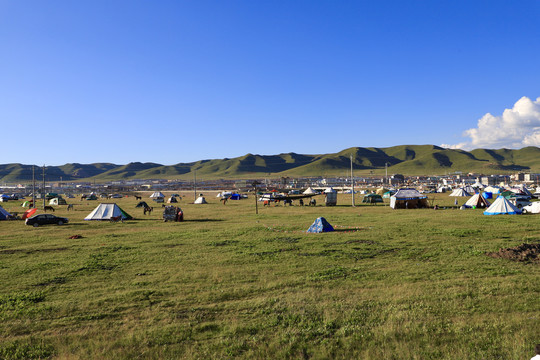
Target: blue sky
179	81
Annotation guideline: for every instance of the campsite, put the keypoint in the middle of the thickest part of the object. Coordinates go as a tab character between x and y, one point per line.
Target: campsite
229	283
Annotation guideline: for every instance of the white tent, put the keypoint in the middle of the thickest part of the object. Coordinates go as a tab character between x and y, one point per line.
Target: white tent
478	185
502	206
408	199
459	192
469	189
477	201
493	189
200	200
106	212
157	194
309	191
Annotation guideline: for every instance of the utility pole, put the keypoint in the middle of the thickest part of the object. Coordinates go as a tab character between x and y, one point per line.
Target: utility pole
255	183
352	183
43	191
33	187
195	183
386	169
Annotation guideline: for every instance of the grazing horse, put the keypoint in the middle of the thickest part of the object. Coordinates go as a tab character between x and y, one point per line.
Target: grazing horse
138	197
83	197
70	207
47	207
148	209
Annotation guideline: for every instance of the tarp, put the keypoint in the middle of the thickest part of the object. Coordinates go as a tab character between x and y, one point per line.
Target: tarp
106	211
501	206
320	225
29	213
4	215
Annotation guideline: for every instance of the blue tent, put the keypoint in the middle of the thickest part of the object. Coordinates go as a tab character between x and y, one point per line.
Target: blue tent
320	225
235	197
487	195
4	215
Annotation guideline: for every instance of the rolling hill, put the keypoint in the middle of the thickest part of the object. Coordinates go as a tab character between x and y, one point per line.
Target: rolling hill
403	159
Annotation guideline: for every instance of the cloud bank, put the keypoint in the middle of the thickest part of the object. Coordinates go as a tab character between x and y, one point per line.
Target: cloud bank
515	128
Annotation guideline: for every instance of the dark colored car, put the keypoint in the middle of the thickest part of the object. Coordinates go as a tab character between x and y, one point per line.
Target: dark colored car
44	219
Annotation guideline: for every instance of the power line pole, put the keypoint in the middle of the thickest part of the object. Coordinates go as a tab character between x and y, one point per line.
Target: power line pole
352	183
33	187
195	183
43	191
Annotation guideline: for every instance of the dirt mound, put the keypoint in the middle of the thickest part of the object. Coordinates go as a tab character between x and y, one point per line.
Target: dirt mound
523	252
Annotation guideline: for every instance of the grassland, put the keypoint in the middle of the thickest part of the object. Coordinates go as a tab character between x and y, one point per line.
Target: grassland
227	283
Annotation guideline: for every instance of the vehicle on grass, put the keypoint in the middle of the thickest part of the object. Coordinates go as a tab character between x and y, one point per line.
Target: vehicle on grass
46	219
520	201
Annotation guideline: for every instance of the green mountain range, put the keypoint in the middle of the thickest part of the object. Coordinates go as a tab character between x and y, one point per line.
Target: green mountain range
404	159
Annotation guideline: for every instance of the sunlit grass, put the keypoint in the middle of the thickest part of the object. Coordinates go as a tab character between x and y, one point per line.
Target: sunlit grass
392	284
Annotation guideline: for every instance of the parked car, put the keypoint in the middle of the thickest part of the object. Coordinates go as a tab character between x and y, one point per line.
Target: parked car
44	219
520	201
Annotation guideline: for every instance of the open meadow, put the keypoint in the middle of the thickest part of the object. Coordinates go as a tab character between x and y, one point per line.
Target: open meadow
227	283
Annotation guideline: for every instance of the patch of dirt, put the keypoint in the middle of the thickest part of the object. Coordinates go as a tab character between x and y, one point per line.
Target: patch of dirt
523	252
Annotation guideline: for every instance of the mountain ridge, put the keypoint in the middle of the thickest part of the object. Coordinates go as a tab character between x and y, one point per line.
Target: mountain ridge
403	159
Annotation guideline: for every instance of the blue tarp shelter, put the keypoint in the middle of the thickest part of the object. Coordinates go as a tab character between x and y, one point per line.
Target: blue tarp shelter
320	225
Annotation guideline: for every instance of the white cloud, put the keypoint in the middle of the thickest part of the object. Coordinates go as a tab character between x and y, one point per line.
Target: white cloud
515	128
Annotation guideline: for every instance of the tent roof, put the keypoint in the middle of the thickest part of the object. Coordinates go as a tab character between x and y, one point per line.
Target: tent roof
320	225
501	206
4	214
460	192
106	211
477	200
408	194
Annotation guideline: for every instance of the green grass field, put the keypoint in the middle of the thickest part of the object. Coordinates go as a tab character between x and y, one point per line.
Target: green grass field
227	283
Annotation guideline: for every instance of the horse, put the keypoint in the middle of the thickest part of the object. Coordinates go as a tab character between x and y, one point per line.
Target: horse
47	207
70	207
83	197
148	209
138	197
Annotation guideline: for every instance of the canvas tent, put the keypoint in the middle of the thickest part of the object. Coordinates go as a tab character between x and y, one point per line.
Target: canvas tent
372	199
320	225
106	211
469	189
310	191
408	199
477	201
58	201
501	206
4	215
200	200
157	194
459	192
172	199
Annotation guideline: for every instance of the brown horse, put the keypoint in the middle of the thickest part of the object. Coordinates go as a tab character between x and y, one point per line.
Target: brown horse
47	207
138	197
